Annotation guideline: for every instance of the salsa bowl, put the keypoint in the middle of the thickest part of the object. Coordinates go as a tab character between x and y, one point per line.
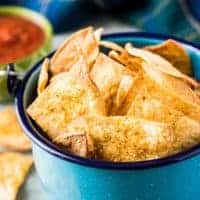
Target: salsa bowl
66	176
27	60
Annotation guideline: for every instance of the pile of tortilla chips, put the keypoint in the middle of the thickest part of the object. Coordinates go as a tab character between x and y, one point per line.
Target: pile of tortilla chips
13	166
131	104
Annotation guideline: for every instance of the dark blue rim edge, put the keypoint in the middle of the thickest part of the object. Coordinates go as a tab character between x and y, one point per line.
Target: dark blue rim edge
49	147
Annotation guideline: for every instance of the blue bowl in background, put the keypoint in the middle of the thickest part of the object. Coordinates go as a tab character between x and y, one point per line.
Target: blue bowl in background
65	176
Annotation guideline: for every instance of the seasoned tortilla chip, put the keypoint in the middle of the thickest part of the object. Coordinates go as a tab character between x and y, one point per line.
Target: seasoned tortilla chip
11	134
43	77
124	138
160	87
69	94
13	171
173	85
187	133
123	89
152	103
79	144
111	45
66	55
161	64
98	33
174	53
107	75
149	107
186	130
131	62
197	90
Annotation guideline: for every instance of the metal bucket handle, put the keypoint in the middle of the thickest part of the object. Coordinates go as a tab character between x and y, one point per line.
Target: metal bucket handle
14	78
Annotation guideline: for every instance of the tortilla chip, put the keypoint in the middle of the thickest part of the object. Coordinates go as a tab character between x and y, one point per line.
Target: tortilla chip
43	77
174	53
151	108
187	133
77	144
107	75
128	101
11	133
131	62
13	171
161	64
120	138
197	91
111	45
98	33
160	87
186	130
66	55
175	86
153	103
69	94
114	55
123	89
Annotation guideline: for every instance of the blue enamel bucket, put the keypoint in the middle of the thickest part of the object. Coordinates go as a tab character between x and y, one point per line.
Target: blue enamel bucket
68	177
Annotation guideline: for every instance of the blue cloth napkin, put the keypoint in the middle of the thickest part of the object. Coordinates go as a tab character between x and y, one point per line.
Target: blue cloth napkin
173	17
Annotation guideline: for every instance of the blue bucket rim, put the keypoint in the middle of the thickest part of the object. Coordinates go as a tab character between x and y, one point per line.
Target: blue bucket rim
51	148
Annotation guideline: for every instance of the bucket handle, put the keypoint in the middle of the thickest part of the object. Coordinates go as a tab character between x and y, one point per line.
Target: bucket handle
14	78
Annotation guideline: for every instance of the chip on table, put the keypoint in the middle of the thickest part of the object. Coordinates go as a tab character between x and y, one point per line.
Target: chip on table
12	136
13	171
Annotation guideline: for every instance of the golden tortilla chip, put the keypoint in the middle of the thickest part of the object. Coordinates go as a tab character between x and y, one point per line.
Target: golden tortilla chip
69	94
78	144
43	77
123	89
186	130
161	64
66	55
13	171
131	62
11	133
160	87
111	45
149	107
175	86
121	138
107	75
152	103
197	90
128	101
98	33
174	53
187	133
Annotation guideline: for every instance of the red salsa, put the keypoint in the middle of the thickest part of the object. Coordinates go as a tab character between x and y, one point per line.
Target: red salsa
19	37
